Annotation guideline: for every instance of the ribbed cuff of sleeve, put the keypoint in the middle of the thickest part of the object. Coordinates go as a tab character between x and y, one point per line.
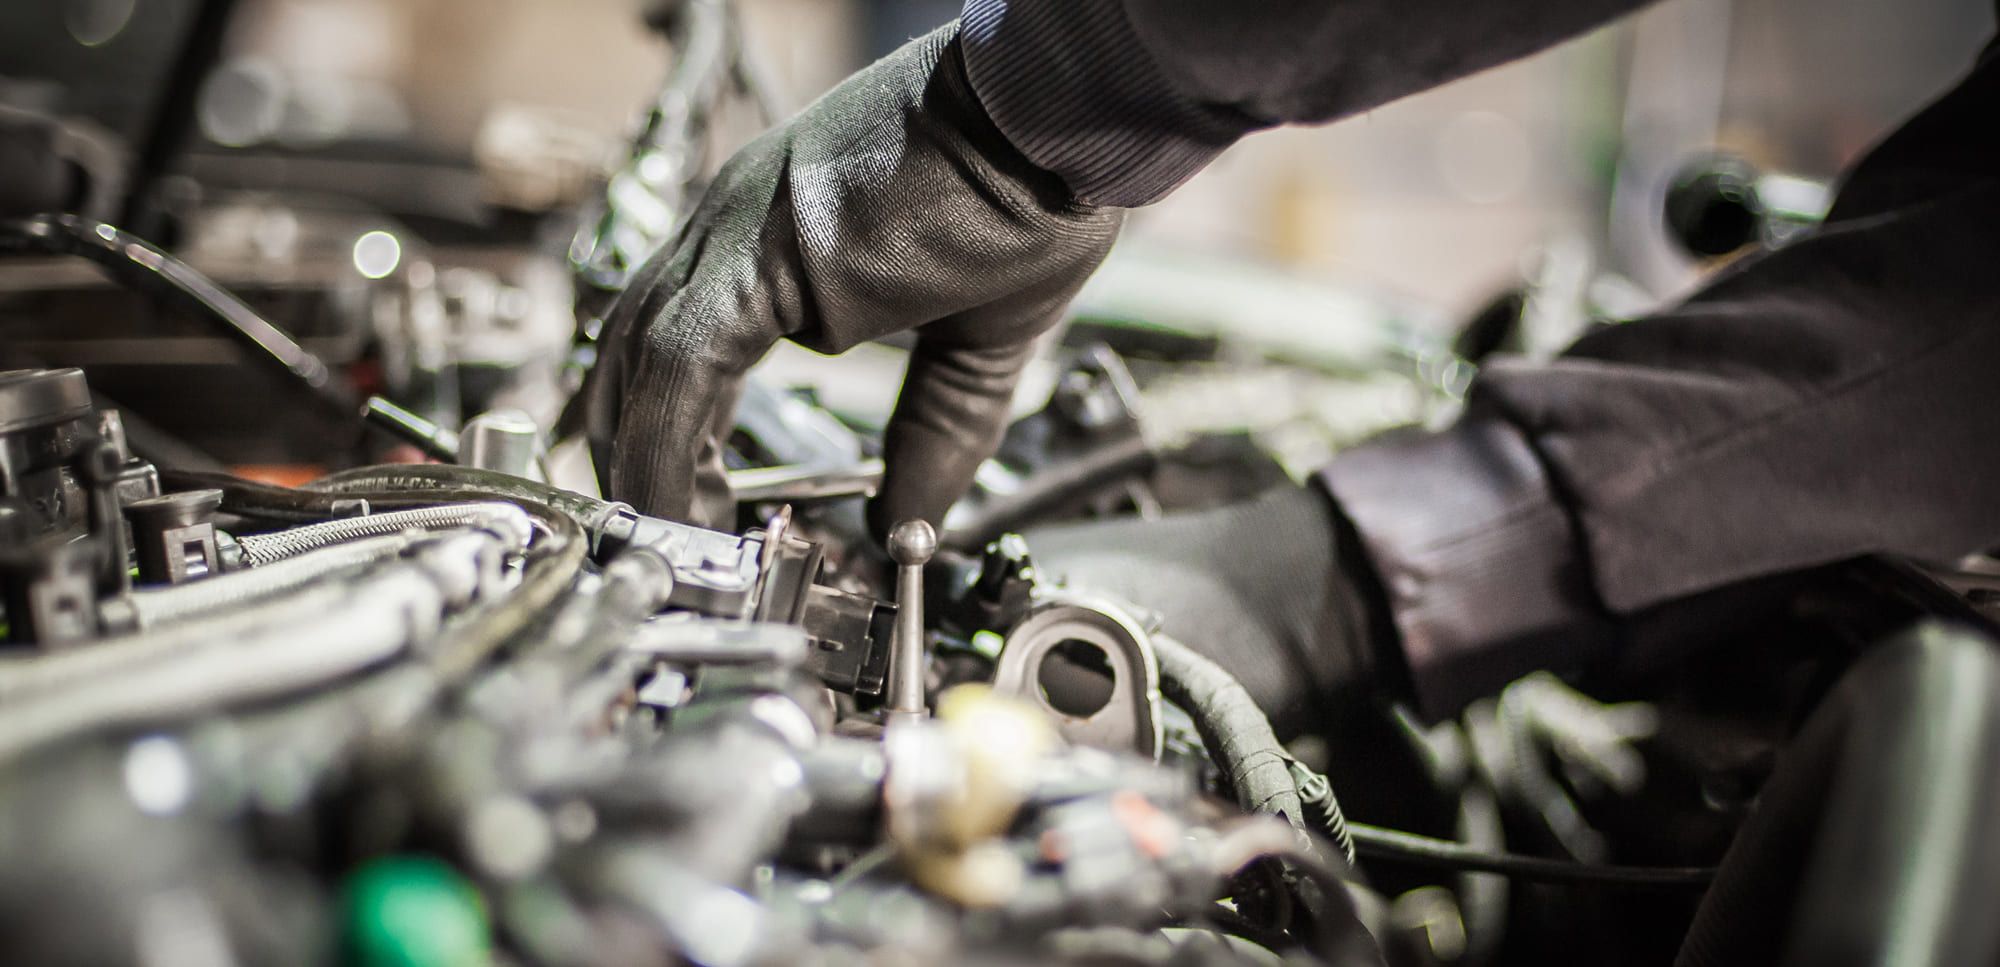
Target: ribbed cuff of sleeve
1477	560
1075	90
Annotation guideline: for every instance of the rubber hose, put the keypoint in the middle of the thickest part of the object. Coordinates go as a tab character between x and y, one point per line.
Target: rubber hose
1874	842
1234	729
412	477
553	564
593	621
262	502
1049	488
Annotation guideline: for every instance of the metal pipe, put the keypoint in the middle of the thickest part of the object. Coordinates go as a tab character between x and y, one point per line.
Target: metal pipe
794	484
432	440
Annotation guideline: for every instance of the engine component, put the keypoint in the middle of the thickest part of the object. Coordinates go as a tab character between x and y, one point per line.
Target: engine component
585	736
430	439
850	635
45	424
1000	594
504	519
62	541
137	479
1719	204
911	545
50	593
146	267
1129	716
503	440
174	536
951	792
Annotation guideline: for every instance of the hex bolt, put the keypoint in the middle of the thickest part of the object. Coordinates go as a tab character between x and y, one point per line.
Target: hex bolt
911	545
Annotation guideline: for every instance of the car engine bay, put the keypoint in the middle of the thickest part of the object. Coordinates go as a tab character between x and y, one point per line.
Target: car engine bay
320	645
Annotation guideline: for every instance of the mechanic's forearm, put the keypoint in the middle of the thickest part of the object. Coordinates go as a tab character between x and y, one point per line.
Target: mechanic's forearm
1833	399
1126	99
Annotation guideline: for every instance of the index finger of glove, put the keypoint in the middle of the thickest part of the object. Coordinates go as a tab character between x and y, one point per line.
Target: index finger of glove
682	372
948	420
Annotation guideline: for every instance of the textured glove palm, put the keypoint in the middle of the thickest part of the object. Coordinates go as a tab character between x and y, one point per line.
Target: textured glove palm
890	204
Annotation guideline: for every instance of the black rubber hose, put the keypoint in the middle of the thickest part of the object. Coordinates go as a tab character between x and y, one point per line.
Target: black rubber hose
315	733
1052	487
1874	842
553	565
389	486
440	476
139	264
1334	931
259	503
1234	729
575	636
1443	854
272	506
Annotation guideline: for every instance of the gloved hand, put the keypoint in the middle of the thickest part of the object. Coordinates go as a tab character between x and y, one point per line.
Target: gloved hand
890	204
1273	589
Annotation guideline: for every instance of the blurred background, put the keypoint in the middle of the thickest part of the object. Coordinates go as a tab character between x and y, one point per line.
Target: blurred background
345	164
1437	195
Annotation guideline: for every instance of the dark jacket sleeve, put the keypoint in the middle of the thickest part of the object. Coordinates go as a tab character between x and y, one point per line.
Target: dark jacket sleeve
1835	398
1126	99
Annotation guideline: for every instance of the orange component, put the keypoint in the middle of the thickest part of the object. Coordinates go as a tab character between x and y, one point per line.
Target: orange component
1052	847
1154	832
281	474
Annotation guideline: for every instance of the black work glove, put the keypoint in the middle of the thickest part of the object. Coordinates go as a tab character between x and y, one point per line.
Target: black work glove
890	204
1273	589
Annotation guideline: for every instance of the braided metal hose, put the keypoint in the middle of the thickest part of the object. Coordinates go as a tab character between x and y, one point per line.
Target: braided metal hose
277	647
173	621
508	522
154	607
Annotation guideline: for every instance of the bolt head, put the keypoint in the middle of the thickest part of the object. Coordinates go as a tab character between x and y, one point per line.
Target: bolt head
912	542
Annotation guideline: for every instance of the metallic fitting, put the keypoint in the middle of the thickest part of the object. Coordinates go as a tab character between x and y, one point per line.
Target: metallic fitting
911	545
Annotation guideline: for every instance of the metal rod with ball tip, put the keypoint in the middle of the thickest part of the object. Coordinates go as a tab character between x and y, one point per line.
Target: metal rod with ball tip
911	545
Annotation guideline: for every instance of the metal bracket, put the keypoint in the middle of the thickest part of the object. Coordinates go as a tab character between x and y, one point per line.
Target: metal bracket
1130	719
